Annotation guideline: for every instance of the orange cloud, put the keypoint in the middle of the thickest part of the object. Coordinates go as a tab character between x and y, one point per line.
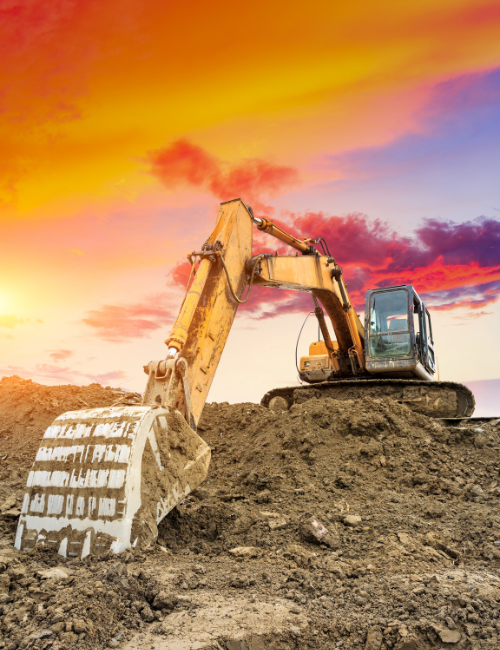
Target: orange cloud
183	163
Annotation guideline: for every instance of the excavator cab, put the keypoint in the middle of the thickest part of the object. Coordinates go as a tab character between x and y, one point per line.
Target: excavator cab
398	339
398	334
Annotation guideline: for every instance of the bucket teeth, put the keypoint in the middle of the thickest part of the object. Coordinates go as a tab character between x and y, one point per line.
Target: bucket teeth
104	478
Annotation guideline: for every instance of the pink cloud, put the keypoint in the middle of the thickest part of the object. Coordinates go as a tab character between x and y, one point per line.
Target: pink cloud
454	265
60	355
65	375
119	323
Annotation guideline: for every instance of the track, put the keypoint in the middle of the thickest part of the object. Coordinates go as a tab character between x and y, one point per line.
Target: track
443	399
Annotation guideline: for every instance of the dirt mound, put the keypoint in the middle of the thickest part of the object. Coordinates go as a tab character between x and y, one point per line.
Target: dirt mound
332	459
331	525
27	409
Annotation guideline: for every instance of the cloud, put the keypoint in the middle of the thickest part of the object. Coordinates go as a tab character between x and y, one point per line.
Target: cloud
10	321
471	315
62	374
475	241
471	297
185	164
60	355
446	158
120	323
458	115
452	265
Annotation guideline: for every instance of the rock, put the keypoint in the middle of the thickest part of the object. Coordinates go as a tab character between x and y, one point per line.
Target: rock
42	634
53	574
4	562
434	510
276	523
373	448
242	641
245	551
79	626
16	572
8	504
476	491
409	644
118	570
352	520
12	513
374	639
57	628
147	614
448	636
68	638
480	440
165	600
263	497
4	583
299	554
335	568
312	530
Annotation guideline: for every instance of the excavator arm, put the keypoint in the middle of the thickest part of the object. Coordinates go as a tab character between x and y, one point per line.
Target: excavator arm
320	276
226	266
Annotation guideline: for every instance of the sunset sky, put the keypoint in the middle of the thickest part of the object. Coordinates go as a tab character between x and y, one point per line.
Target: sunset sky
123	125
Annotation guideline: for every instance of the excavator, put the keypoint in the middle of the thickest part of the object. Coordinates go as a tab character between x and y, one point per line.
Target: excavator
104	478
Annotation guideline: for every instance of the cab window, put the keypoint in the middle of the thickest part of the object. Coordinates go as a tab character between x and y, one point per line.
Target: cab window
389	324
389	312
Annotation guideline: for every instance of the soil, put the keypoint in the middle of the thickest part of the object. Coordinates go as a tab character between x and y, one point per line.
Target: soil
335	524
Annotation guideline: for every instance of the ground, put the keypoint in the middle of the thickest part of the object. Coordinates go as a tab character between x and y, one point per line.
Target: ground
331	525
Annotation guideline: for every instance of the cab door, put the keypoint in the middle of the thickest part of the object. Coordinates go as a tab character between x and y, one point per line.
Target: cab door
429	341
418	324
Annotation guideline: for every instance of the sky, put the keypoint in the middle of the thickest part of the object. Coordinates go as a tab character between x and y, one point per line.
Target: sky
124	124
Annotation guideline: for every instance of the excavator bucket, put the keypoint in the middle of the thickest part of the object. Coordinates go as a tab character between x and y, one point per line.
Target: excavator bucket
104	478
